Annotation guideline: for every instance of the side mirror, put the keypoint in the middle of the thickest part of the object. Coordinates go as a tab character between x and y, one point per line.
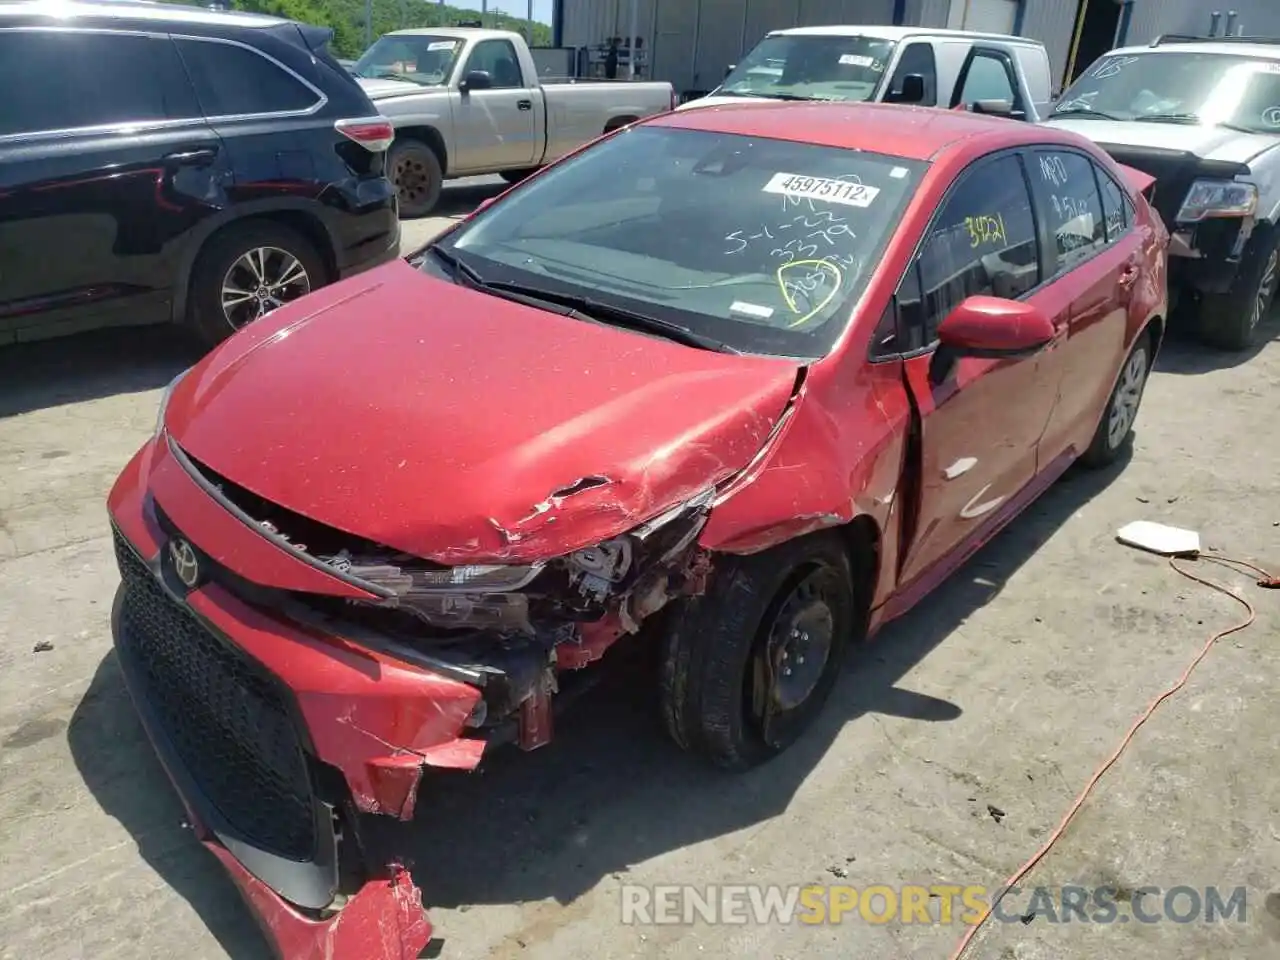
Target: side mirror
995	328
730	68
476	80
912	89
996	108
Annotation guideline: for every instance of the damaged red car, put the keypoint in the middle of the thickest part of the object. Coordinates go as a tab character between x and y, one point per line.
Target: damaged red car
746	382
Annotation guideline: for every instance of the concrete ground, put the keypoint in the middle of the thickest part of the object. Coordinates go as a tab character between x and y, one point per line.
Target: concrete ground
954	744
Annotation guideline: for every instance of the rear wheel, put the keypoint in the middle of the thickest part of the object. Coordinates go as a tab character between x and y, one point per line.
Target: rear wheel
245	272
415	171
748	665
1230	321
1115	429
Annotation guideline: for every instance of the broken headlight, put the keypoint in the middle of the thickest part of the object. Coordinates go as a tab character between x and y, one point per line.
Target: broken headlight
499	597
614	564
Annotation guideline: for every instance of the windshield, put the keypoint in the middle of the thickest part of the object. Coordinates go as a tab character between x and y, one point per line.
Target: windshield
421	59
811	68
760	245
1211	88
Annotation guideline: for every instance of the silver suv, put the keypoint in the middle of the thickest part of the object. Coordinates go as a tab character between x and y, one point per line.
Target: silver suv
1202	116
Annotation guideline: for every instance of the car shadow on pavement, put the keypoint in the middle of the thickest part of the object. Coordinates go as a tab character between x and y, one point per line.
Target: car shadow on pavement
1183	353
609	792
89	366
121	770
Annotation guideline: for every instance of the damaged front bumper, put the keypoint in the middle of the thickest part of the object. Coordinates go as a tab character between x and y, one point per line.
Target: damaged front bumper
283	715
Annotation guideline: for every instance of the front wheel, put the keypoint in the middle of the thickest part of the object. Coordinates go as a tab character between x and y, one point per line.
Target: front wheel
416	174
1230	321
748	666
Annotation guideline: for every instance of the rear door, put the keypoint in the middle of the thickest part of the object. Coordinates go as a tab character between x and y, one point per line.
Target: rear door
271	118
981	419
105	161
497	129
1095	255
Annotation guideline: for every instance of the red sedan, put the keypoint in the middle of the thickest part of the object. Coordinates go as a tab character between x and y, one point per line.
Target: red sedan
747	381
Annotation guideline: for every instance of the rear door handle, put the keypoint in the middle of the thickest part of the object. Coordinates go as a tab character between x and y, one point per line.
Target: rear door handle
524	104
198	157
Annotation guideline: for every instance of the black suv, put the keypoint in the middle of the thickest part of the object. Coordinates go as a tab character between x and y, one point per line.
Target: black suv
161	162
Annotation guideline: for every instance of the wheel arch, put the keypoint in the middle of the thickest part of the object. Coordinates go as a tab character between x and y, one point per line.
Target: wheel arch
298	216
429	136
617	123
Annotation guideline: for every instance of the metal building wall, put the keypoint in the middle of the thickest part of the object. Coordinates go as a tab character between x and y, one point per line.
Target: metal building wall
1153	17
691	42
1052	23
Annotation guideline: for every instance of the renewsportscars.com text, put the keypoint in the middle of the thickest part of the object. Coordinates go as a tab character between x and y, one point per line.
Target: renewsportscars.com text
934	904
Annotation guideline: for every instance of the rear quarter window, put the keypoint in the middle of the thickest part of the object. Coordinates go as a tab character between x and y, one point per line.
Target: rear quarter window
234	80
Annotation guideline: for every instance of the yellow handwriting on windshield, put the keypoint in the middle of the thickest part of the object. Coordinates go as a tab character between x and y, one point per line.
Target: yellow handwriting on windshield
802	279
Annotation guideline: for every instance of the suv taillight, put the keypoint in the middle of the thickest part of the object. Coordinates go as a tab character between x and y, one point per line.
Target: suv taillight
675	101
373	133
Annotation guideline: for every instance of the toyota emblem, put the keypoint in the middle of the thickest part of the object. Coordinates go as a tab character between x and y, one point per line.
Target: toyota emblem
185	562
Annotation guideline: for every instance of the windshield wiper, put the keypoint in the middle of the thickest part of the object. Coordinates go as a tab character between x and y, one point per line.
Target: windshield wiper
785	96
456	266
584	308
1083	112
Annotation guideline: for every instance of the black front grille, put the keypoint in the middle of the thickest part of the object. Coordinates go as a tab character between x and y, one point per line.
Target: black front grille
223	715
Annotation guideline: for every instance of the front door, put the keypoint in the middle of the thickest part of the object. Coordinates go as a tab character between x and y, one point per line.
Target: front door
981	419
496	129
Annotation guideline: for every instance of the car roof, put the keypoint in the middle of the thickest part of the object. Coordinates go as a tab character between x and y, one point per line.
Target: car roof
913	133
1267	51
131	10
900	33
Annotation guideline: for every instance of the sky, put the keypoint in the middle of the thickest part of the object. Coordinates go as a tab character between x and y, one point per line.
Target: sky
516	8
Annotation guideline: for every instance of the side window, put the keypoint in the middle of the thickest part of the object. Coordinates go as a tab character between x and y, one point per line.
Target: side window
987	79
917	58
233	81
982	242
59	80
498	59
1114	204
1075	211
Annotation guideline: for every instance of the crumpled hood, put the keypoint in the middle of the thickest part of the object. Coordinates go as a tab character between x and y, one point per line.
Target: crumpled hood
460	427
1208	143
384	89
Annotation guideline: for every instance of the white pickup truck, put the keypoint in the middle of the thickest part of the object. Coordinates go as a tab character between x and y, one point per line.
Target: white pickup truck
468	101
923	66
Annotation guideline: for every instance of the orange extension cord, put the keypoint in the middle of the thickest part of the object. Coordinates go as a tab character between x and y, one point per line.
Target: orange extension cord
1266	580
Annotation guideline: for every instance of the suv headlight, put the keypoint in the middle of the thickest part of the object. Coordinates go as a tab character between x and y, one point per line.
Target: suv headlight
1218	198
164	401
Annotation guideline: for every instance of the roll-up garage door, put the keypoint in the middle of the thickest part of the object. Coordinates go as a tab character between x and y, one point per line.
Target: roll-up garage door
988	16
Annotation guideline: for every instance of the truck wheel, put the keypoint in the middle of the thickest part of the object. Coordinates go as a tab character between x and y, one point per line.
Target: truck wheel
415	171
246	270
1115	429
748	665
1230	321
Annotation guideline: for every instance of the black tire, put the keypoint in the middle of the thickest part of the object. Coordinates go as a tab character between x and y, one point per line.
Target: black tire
1115	428
515	176
1231	320
221	266
713	646
415	170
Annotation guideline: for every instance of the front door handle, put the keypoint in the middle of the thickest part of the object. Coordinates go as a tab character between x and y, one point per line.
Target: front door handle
199	157
524	104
